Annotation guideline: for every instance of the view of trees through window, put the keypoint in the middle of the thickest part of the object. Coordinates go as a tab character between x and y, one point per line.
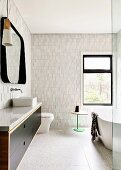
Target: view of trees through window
97	79
97	88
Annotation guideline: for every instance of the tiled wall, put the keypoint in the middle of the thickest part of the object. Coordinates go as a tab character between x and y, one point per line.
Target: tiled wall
56	71
19	23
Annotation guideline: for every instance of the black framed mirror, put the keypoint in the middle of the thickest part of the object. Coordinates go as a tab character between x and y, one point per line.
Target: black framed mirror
13	67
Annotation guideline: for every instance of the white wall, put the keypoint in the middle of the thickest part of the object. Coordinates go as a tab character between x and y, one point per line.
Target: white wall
19	23
56	71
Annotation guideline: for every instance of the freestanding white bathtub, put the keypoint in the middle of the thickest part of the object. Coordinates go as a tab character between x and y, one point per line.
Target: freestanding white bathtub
110	129
105	127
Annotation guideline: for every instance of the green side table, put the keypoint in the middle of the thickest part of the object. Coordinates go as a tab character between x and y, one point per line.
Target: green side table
84	113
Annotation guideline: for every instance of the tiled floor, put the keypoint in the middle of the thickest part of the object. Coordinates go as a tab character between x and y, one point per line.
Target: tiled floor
66	150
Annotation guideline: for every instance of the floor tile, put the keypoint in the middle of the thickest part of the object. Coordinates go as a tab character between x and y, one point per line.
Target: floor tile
66	150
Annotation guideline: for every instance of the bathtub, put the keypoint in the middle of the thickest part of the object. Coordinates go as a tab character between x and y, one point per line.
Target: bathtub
105	127
110	129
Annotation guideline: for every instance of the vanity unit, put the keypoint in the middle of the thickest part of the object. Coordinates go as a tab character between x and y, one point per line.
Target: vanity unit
18	126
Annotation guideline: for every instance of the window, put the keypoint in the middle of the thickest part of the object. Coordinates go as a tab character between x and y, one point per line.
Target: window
97	76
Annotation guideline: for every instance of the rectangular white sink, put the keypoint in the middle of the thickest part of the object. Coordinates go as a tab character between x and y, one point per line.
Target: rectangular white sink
24	101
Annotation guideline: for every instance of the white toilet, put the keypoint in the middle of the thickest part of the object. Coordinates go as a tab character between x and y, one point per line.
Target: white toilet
46	120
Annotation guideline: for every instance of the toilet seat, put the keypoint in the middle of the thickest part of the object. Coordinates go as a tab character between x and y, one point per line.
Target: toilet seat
47	115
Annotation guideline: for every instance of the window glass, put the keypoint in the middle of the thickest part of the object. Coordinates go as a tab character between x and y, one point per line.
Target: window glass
97	88
97	63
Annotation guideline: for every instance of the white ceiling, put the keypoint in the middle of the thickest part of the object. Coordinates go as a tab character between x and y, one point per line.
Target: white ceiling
66	16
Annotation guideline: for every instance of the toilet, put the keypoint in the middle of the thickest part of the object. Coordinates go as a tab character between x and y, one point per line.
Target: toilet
46	120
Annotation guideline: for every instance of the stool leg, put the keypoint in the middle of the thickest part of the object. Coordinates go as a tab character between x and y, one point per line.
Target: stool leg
77	122
77	129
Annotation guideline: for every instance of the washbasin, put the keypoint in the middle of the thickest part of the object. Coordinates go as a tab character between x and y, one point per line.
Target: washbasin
24	101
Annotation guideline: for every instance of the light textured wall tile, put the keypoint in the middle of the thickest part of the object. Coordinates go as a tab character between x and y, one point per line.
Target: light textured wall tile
56	71
19	23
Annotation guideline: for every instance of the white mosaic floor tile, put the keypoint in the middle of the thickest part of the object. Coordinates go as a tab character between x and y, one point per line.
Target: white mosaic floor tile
66	150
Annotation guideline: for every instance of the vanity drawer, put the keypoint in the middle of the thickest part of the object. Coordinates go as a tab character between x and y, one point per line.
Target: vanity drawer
16	138
35	126
22	137
17	156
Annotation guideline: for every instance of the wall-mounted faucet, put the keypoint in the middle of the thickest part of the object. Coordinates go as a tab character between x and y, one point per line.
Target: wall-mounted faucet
15	89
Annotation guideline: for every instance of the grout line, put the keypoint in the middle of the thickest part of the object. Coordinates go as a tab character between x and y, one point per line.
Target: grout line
87	160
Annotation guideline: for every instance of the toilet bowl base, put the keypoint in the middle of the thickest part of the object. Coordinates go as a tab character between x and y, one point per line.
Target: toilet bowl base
46	121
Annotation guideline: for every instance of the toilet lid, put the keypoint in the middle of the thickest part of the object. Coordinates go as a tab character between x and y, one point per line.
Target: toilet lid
47	115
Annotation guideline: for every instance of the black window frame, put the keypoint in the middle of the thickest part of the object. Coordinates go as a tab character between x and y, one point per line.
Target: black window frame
99	71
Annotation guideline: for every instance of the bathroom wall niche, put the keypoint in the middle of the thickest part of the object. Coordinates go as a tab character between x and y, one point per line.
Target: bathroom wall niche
13	67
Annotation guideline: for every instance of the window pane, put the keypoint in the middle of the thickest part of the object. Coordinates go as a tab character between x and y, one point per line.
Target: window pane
97	88
97	63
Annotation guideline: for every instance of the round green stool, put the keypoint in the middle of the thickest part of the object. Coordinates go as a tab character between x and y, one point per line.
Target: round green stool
78	129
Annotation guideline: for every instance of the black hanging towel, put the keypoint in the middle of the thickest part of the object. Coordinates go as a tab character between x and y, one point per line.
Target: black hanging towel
94	128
